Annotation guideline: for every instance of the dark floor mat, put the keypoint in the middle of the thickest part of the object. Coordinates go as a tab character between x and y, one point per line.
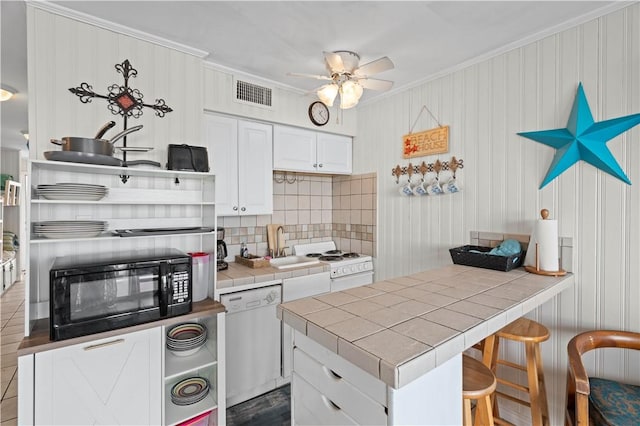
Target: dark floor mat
271	409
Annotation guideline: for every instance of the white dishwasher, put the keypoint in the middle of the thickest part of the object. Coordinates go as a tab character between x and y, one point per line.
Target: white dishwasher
252	343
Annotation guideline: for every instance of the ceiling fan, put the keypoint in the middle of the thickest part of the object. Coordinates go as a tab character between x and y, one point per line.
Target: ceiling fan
349	78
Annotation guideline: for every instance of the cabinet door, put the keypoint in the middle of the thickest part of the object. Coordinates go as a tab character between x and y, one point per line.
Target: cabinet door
221	135
112	381
293	289
334	153
255	168
294	149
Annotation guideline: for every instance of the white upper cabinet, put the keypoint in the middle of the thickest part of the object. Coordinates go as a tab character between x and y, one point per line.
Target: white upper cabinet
301	150
333	153
242	161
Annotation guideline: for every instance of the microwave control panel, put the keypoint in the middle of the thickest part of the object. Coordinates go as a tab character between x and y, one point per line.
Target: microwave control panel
180	284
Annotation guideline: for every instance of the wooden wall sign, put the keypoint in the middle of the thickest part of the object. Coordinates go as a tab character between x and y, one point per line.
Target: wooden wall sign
434	141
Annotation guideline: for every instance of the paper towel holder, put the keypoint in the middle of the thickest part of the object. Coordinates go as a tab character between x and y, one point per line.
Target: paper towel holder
536	269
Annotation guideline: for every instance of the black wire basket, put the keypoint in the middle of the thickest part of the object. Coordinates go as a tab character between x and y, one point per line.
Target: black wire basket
464	256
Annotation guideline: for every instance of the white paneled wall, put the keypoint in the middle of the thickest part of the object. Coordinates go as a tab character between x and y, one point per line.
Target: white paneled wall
63	53
529	88
289	107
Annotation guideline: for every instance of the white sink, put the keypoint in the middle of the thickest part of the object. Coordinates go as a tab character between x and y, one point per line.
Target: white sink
293	262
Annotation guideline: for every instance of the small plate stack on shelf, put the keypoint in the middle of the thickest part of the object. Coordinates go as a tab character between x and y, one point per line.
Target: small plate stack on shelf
190	390
72	191
186	339
69	228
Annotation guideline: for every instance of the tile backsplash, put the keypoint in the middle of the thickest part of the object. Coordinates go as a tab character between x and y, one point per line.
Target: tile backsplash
312	208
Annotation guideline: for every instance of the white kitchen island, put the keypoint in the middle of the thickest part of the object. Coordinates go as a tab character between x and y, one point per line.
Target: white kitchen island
389	353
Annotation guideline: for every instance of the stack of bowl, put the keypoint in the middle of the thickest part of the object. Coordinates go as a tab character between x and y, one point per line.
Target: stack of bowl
186	339
189	391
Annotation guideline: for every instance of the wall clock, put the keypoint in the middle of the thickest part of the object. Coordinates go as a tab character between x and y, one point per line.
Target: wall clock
318	113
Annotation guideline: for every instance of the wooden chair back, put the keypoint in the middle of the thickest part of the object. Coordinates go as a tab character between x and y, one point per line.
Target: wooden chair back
577	403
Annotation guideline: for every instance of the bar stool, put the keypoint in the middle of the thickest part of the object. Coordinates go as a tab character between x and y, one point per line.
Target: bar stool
530	333
478	382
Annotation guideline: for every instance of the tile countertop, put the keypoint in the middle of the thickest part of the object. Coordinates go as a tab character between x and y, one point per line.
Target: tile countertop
399	329
240	276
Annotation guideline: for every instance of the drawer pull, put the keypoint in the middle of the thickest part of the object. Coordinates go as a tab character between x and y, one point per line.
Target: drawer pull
102	345
329	403
331	373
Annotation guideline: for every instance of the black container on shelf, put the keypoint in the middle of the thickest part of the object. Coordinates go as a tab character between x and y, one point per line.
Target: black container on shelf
464	256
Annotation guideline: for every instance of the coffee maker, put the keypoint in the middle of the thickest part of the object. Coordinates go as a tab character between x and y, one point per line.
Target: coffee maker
221	250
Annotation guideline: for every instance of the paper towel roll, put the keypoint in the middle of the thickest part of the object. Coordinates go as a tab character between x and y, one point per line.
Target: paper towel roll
545	234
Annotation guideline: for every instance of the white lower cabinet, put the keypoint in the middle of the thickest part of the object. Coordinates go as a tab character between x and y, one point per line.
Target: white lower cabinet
328	390
293	289
112	381
123	380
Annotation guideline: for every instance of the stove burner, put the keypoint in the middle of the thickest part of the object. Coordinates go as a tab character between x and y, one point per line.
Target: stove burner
314	254
330	258
336	252
350	255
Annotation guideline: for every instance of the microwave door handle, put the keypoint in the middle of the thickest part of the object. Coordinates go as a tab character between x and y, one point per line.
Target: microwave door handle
164	289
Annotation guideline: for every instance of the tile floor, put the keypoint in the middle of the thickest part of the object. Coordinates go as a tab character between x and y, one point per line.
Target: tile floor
11	333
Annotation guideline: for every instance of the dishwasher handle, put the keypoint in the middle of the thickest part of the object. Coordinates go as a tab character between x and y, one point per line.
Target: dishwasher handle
255	298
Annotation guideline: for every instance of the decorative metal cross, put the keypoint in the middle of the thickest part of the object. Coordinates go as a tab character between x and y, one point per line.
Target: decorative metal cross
123	100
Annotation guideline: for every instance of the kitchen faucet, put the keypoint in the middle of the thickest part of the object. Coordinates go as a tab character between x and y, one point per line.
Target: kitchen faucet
280	252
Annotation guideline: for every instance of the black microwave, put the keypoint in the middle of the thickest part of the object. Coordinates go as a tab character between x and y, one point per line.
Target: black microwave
92	294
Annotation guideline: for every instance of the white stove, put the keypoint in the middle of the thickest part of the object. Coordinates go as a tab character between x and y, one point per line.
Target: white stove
348	269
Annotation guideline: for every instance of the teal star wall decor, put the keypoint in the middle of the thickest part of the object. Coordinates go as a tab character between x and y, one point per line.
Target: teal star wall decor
583	139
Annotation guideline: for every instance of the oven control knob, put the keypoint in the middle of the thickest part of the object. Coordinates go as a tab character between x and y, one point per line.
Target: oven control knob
360	267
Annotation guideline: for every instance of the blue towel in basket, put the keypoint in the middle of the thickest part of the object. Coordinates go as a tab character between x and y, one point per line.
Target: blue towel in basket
506	248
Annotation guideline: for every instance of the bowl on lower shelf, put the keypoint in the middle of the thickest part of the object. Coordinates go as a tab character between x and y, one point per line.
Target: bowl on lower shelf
190	390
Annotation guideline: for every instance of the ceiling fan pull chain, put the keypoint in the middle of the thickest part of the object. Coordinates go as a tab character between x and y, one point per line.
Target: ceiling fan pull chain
424	107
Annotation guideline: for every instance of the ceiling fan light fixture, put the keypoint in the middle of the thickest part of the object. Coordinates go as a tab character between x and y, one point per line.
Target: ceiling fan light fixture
350	94
327	94
6	92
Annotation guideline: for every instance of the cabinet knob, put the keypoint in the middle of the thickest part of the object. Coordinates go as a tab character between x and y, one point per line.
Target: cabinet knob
315	165
320	165
235	208
244	209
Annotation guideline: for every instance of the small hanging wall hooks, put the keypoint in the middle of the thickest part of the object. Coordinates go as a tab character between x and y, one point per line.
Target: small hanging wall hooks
425	168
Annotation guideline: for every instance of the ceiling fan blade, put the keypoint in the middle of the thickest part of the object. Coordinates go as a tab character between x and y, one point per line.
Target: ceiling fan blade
317	77
375	67
375	84
334	62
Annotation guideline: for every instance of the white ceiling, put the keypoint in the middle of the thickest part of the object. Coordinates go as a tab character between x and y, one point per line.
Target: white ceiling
268	39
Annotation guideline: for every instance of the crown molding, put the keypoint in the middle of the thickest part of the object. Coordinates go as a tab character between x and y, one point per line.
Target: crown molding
112	26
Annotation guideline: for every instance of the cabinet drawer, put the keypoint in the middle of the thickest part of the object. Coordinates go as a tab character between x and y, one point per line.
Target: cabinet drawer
342	393
371	386
310	407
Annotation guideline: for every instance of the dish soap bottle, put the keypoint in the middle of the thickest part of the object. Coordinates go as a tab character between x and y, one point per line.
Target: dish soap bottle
244	251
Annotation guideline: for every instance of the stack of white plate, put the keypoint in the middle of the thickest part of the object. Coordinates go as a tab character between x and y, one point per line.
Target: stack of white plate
73	191
69	228
189	391
186	339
